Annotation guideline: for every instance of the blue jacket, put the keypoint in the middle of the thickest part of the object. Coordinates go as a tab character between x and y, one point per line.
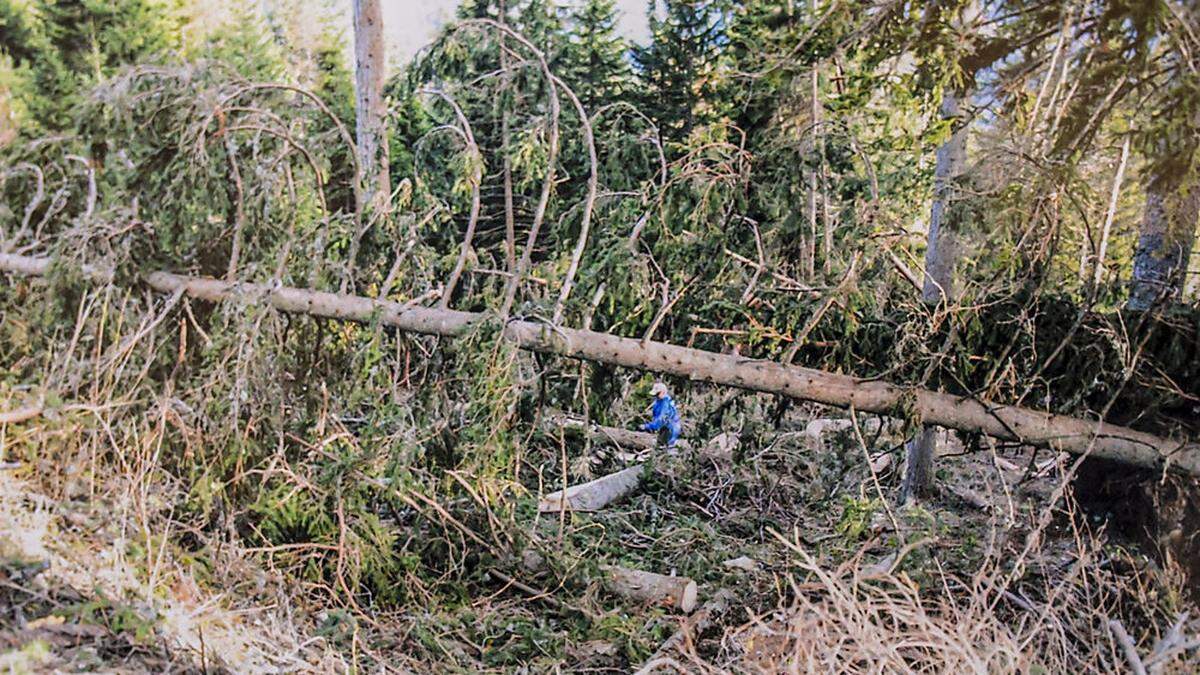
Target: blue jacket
663	415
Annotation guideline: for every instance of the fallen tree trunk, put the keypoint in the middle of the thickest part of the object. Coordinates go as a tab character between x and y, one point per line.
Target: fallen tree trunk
968	414
598	433
593	495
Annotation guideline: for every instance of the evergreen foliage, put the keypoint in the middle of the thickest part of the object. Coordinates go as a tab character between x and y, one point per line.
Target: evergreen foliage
679	67
597	58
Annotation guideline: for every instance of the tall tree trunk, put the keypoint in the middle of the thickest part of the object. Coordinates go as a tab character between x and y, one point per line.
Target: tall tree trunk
814	93
369	64
941	257
942	251
1165	241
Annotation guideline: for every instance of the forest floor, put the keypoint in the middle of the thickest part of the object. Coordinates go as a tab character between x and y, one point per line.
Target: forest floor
802	560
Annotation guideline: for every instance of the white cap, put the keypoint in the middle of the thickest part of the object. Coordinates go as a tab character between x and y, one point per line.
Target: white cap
659	389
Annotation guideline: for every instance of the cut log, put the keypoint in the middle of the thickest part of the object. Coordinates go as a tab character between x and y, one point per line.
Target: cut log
598	433
666	591
744	563
674	592
20	414
1024	425
594	495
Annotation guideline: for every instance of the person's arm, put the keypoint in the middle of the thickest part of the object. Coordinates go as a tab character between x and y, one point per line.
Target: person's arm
658	422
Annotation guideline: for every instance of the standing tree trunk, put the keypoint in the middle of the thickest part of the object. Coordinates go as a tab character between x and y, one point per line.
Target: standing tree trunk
814	93
1165	241
942	251
941	256
369	64
510	222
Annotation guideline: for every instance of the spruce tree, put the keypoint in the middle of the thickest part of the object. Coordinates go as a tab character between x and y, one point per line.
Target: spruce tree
83	41
595	65
677	68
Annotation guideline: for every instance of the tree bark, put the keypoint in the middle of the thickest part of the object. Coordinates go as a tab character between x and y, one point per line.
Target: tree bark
369	65
593	495
510	227
941	257
598	433
969	414
1165	241
942	251
674	592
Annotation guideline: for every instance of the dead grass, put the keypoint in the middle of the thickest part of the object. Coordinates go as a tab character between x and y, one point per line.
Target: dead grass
88	602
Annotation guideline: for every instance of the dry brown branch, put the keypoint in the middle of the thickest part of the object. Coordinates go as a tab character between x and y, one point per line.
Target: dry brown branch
689	629
39	195
1127	647
239	207
92	194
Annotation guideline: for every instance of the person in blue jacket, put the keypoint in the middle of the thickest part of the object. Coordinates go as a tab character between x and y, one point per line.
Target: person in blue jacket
663	414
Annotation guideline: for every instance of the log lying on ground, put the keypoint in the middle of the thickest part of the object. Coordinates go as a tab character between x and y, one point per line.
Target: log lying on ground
598	433
675	592
594	495
20	414
659	589
968	414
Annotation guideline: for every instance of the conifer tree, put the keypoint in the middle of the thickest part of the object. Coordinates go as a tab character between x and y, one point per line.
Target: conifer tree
75	43
596	65
677	68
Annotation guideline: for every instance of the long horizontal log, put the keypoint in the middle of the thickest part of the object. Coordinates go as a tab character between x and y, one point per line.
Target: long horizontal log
1012	423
